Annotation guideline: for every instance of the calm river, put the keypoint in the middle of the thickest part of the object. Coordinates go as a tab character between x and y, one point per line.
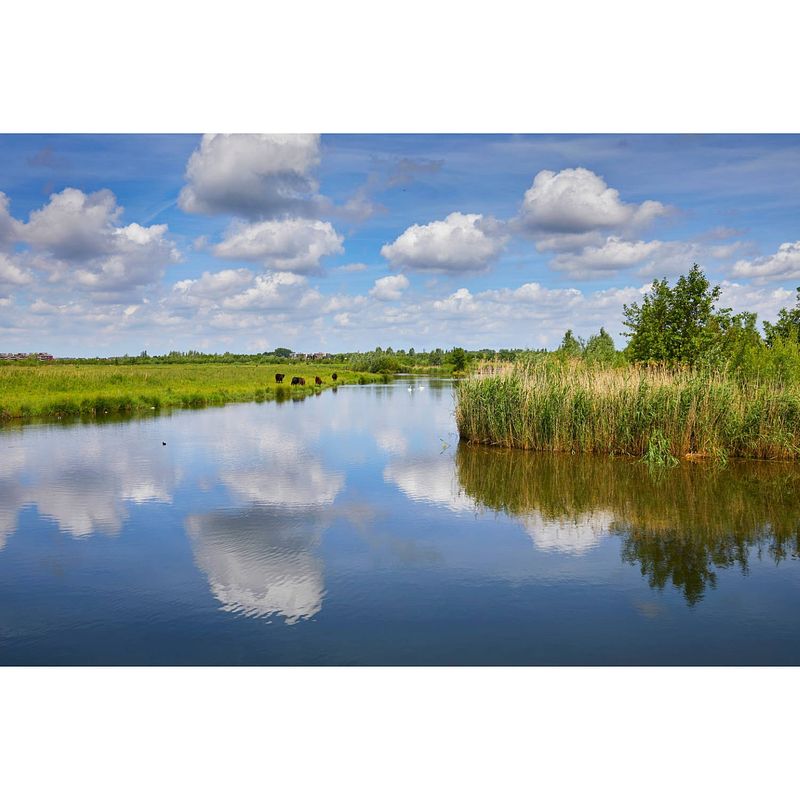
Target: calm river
352	528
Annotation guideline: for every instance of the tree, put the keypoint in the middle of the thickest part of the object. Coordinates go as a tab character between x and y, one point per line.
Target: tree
600	347
459	357
570	345
675	323
787	326
412	352
282	352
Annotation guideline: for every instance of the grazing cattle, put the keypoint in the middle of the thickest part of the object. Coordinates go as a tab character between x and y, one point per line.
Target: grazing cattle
318	380
279	377
334	376
296	381
302	381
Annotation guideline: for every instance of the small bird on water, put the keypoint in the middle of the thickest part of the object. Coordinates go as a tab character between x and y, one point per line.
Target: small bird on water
164	443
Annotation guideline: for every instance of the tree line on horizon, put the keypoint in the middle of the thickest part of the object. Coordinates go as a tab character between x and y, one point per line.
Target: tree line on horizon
680	324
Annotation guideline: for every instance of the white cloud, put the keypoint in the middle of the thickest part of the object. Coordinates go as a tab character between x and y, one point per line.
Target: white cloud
653	259
211	286
76	240
576	201
460	302
389	288
274	290
614	254
781	265
458	243
75	226
251	175
293	245
764	302
11	276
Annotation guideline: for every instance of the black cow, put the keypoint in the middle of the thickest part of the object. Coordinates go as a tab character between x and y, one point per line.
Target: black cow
334	376
296	381
318	380
279	377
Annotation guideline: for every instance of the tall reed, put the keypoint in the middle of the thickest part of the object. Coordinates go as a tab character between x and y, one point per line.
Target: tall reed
654	412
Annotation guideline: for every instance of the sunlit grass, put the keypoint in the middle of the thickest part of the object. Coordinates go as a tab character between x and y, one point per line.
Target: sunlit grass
660	414
59	390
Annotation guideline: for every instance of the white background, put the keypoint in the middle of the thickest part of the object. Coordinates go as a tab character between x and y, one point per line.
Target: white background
345	66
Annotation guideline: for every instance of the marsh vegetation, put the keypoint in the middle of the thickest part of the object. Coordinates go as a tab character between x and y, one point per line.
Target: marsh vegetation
694	381
65	389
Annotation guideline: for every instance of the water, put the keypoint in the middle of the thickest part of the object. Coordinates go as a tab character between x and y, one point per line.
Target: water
352	528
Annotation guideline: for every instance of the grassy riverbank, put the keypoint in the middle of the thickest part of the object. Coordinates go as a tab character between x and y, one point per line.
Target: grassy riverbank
58	390
660	414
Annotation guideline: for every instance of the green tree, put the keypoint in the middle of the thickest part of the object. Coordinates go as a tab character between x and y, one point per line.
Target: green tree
787	327
600	347
676	323
282	352
459	357
571	346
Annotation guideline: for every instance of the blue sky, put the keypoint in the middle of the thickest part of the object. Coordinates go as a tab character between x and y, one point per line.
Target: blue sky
114	244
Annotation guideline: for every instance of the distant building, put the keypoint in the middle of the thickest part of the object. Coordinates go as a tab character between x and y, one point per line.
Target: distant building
25	356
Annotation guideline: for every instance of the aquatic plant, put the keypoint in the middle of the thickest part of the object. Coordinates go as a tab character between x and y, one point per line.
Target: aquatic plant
658	412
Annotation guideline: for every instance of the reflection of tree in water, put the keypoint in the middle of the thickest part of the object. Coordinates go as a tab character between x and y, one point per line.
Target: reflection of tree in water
679	525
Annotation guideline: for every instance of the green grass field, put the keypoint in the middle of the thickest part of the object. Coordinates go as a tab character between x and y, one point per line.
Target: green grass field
59	390
660	414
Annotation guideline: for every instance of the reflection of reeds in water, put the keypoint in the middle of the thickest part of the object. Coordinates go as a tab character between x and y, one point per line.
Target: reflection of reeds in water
662	413
677	524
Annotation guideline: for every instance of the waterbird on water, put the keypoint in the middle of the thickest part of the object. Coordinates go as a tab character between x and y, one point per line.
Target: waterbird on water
163	443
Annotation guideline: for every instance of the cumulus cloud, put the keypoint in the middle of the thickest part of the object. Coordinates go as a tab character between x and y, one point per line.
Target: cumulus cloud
530	315
75	226
615	253
764	302
11	276
784	264
75	239
458	243
274	290
293	245
649	259
389	288
252	175
211	286
576	201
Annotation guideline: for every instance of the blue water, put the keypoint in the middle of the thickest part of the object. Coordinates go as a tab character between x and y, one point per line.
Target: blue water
352	528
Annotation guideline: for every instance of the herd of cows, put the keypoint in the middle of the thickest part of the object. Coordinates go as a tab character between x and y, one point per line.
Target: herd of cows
279	376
